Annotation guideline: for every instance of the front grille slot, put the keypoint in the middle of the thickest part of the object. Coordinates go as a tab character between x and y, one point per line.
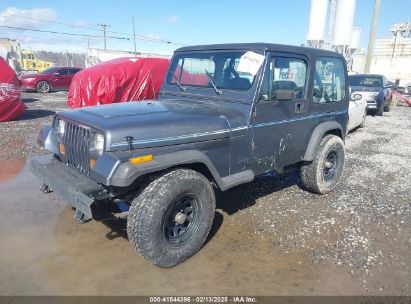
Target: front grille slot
76	141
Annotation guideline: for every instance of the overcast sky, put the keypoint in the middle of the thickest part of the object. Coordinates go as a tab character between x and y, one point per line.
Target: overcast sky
187	22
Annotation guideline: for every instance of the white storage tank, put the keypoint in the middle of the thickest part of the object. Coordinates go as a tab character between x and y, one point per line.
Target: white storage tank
344	18
355	38
318	18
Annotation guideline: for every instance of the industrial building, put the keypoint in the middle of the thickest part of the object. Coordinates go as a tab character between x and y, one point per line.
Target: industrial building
331	26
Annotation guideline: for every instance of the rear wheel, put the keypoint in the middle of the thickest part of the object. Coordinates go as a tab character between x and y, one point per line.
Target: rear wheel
322	175
43	87
170	220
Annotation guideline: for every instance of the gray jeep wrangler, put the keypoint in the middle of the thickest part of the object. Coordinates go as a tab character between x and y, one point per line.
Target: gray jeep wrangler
225	114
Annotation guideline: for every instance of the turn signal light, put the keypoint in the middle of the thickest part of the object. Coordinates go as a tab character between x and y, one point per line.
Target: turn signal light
62	149
141	159
92	163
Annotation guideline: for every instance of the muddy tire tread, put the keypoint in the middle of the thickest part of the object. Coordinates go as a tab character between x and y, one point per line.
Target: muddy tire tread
309	172
142	208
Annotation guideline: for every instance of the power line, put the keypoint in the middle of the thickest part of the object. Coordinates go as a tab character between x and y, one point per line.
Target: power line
141	37
55	22
62	33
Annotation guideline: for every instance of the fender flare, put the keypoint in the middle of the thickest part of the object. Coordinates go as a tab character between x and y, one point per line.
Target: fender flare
123	174
317	135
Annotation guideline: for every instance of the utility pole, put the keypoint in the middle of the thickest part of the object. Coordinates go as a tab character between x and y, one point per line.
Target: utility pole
134	36
104	26
371	40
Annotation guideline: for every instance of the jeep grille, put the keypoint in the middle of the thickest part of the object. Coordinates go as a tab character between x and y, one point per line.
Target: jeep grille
76	141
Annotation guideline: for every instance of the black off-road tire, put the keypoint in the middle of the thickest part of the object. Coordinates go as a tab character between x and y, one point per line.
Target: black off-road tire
43	87
315	176
155	210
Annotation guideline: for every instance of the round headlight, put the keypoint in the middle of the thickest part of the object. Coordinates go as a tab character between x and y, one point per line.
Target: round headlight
61	126
99	143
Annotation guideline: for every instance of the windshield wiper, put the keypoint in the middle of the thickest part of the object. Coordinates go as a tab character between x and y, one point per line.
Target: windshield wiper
182	88
216	89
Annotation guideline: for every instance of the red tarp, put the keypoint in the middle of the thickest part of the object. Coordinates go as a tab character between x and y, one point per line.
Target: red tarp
11	105
118	80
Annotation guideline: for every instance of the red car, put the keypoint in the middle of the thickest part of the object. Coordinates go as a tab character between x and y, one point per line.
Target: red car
11	105
52	79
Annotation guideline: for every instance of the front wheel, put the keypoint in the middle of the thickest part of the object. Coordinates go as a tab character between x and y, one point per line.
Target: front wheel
322	175
170	220
43	87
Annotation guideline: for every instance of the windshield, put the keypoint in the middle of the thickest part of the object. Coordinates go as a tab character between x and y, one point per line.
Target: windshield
233	70
48	71
365	81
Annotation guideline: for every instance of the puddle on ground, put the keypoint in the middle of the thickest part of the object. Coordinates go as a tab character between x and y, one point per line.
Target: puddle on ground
9	169
44	252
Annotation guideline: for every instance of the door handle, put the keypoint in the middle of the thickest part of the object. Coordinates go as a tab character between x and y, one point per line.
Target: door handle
299	107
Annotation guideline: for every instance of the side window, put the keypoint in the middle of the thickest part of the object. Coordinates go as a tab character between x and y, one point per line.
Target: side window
63	72
329	80
284	79
73	71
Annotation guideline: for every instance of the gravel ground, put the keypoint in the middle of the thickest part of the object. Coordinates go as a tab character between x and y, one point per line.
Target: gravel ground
18	138
365	224
363	228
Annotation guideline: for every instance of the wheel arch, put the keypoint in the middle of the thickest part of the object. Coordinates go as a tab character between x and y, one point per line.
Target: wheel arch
127	174
329	127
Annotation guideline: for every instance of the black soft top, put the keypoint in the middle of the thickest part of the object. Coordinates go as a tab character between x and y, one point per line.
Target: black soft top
262	48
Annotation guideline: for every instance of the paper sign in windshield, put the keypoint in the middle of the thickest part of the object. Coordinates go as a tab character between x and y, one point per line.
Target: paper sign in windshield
250	62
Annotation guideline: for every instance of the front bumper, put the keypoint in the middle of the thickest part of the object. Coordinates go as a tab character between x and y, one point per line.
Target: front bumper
372	105
77	189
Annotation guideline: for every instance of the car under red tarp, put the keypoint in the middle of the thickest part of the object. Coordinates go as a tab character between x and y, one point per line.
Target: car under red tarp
11	106
118	80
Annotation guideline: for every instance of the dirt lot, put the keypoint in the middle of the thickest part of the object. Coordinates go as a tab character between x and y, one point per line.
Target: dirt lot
269	237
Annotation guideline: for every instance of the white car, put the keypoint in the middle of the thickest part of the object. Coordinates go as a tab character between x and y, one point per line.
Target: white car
357	112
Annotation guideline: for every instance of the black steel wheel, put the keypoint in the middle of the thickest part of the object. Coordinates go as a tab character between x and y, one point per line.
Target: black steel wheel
171	218
330	165
182	219
323	174
43	87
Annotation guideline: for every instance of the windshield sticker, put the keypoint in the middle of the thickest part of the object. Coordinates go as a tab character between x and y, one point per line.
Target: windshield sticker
250	62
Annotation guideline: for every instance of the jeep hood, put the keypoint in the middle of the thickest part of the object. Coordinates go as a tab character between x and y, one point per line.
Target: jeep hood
154	123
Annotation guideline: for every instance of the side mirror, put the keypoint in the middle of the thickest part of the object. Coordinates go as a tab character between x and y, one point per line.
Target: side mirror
56	74
356	96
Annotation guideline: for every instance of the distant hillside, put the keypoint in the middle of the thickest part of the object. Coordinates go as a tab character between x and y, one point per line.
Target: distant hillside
60	59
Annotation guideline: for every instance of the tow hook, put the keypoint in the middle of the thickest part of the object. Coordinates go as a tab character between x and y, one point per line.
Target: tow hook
45	189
